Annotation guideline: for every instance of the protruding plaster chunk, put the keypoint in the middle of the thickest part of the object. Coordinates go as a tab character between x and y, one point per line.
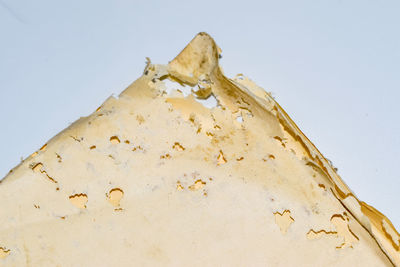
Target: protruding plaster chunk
392	234
4	252
283	220
114	196
343	230
79	200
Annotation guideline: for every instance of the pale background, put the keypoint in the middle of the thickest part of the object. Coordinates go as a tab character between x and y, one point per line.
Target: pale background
333	65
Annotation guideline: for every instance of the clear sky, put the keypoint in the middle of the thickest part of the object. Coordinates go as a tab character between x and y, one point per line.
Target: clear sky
333	65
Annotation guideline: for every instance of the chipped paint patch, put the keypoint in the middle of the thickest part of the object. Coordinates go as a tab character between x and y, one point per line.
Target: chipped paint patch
198	184
283	220
115	196
114	140
179	186
79	200
342	231
178	147
221	158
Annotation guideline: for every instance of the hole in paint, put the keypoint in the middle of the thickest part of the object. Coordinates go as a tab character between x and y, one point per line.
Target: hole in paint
172	86
209	102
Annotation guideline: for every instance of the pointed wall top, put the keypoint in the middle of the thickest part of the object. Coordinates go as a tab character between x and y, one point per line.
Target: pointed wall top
199	57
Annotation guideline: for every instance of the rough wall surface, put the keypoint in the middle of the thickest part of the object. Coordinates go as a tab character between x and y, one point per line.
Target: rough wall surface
156	177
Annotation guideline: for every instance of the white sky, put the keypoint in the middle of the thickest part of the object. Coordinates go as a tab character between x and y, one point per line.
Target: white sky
333	65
